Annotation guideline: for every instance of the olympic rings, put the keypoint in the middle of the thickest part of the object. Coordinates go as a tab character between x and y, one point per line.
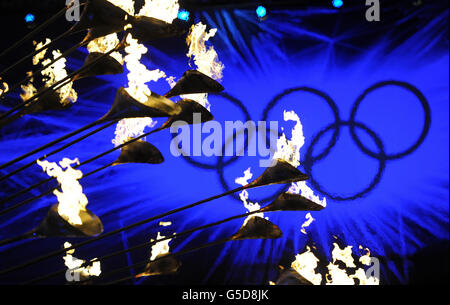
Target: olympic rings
426	126
309	160
321	94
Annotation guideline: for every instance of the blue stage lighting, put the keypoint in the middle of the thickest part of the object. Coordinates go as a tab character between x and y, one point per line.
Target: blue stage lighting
261	11
338	3
183	15
29	18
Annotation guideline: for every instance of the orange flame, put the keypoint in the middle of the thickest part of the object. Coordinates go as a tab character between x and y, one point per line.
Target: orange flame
73	263
71	198
250	206
205	58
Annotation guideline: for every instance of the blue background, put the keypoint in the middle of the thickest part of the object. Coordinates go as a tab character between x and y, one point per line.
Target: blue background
403	218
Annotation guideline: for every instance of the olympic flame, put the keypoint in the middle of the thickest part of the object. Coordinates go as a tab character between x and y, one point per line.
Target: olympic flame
250	206
109	42
28	91
73	263
57	72
5	87
307	223
166	10
305	264
71	198
139	75
165	223
161	247
303	189
365	259
289	150
105	44
338	276
52	74
131	128
41	55
205	58
343	255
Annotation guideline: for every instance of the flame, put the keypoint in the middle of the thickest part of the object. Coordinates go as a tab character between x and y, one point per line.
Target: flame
303	189
305	264
343	255
71	200
205	58
57	72
289	150
131	128
28	91
166	10
307	223
250	206
139	75
165	223
40	56
105	44
365	259
159	248
363	280
338	276
5	87
73	263
171	81
52	74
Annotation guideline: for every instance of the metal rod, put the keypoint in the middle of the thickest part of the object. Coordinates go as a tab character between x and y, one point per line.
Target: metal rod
66	136
57	150
150	243
42	195
66	33
25	202
76	166
69	135
34	32
34	53
142	263
15	239
64	55
68	77
139	223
